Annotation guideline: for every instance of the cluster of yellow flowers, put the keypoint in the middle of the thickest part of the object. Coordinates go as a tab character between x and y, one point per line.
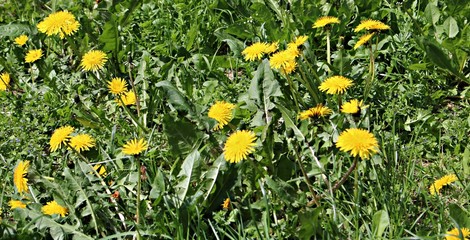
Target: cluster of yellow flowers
239	144
20	180
118	86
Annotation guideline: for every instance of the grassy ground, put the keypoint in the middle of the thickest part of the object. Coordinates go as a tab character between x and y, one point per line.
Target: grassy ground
180	58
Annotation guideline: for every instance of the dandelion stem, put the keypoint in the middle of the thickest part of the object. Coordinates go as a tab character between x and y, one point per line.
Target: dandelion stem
307	180
137	104
139	183
293	91
328	54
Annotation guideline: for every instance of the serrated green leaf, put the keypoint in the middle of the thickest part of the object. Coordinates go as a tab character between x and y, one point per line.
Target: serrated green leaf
191	162
290	123
175	97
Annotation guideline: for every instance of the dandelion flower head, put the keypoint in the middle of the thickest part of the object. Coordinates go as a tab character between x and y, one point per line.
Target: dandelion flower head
59	137
282	58
363	40
4	81
221	111
255	51
272	47
289	67
62	23
33	55
352	106
20	177
54	208
335	85
456	235
436	187
93	60
326	20
226	204
117	86
16	204
134	146
358	142
317	111
299	41
128	98
82	142
21	40
371	25
239	145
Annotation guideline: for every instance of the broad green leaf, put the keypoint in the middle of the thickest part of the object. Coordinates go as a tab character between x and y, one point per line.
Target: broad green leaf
175	97
309	222
432	13
110	35
466	160
213	174
459	215
14	30
290	123
380	221
187	169
270	86
181	134
450	27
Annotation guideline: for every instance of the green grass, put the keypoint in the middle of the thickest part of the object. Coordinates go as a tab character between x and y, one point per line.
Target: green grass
182	57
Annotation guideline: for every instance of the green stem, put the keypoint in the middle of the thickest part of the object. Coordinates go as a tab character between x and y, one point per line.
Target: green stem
132	115
356	198
328	54
307	180
134	90
293	91
371	72
139	187
340	101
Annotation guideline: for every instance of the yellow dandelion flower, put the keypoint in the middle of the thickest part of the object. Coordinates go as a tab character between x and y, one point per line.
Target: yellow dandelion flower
357	142
436	187
255	51
94	60
4	81
134	146
20	177
21	40
128	98
289	67
335	85
372	25
82	142
317	111
100	169
270	48
282	58
226	204
221	111
363	40
323	21
117	86
33	55
62	23
239	145
60	135
352	106
454	234
16	204
299	41
54	208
